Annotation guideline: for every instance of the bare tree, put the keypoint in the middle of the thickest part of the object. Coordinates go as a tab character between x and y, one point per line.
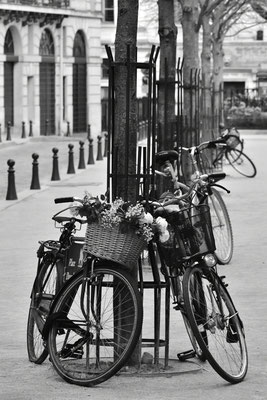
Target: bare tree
125	139
166	93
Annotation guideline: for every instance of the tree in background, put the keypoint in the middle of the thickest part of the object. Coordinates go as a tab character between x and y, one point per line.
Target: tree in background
166	90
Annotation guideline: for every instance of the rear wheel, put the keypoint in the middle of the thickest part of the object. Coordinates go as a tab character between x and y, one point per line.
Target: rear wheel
225	347
98	324
222	228
241	163
45	287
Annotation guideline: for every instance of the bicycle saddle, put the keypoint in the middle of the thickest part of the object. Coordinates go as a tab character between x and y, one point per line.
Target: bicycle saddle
165	155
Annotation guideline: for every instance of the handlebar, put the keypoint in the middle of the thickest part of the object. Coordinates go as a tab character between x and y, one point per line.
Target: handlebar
67	200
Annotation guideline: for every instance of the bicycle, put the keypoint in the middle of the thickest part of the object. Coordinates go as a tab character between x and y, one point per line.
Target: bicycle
204	192
49	279
232	149
94	321
187	261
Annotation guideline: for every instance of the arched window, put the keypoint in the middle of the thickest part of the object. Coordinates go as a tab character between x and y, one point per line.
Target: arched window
9	44
46	44
79	45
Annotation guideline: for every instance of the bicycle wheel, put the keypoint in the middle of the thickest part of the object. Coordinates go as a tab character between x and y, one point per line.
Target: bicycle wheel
225	347
241	163
222	228
98	324
46	285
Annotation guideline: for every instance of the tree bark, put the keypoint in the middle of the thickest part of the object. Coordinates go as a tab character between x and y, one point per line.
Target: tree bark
206	77
166	92
125	136
190	14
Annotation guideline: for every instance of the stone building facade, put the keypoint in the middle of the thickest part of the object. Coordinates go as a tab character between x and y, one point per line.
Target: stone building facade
50	66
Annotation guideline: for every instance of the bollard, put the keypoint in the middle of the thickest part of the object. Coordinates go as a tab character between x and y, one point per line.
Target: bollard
55	173
71	169
46	127
23	135
81	158
68	129
8	137
106	144
30	131
91	152
35	172
99	148
11	187
88	131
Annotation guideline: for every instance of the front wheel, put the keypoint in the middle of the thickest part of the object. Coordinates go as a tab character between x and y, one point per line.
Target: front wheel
241	163
225	345
46	285
97	326
222	228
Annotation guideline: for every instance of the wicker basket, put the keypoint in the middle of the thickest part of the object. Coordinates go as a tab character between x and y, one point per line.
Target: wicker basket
111	244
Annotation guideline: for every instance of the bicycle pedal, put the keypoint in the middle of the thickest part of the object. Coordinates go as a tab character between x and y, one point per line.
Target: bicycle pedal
185	355
69	352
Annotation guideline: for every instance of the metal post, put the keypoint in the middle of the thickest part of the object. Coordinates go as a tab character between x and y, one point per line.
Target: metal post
71	169
23	134
55	173
11	188
91	152
99	148
8	136
81	158
30	131
35	184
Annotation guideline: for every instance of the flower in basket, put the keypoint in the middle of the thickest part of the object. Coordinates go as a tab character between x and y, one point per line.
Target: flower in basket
128	217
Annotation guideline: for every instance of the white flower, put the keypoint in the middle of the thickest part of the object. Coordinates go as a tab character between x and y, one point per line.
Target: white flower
161	224
163	237
148	219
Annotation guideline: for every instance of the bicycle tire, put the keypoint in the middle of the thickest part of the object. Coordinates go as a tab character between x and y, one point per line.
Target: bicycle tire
226	348
222	227
96	344
241	163
44	289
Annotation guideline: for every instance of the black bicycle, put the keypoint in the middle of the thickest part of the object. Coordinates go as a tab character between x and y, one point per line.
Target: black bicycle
204	192
50	277
230	148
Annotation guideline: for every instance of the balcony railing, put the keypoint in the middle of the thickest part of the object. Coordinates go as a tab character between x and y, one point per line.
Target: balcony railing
39	3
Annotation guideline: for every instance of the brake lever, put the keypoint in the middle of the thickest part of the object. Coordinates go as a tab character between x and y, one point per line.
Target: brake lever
221	187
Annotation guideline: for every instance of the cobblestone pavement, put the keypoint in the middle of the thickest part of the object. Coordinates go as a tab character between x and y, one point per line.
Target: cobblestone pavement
28	219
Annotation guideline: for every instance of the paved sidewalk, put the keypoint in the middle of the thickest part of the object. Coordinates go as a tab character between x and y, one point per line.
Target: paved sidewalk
28	219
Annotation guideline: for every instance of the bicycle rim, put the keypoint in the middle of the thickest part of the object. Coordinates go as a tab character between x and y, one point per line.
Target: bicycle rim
241	163
43	293
222	228
226	350
98	327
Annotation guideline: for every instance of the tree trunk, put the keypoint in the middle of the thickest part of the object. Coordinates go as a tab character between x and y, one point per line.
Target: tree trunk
218	77
125	136
166	92
125	129
206	78
191	64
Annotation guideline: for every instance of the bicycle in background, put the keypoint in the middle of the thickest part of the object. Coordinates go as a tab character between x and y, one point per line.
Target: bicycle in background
231	148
